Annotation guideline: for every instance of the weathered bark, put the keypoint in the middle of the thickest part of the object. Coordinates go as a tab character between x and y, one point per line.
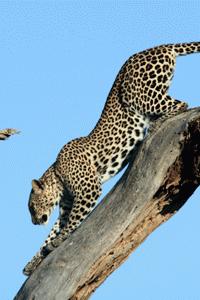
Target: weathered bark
6	133
164	174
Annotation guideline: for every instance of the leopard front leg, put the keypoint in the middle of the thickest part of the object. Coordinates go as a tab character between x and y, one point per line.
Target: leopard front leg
82	203
84	200
65	206
78	214
40	255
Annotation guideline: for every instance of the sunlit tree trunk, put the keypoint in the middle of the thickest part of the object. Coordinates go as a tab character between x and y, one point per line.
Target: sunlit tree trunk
160	179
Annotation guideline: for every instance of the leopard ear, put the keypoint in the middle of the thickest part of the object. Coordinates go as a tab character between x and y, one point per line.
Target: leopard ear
36	186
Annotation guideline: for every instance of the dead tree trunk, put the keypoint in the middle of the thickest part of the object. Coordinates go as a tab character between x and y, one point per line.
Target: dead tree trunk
6	133
164	174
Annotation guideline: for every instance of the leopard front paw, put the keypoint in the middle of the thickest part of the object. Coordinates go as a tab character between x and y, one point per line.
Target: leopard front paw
32	265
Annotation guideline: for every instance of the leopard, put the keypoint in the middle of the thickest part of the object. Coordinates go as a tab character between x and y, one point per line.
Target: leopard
74	181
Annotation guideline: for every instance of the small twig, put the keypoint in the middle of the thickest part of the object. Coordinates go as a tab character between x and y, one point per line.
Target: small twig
6	133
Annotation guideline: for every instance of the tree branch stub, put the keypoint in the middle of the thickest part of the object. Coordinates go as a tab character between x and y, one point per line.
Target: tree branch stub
6	133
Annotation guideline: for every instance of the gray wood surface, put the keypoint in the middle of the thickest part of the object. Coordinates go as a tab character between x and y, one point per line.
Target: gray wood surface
163	175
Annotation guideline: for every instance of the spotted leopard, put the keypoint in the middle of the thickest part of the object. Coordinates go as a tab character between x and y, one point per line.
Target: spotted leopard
74	180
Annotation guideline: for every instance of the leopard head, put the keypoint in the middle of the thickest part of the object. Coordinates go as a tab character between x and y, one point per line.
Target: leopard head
43	199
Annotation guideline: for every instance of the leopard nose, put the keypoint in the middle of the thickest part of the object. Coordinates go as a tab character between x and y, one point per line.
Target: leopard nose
44	218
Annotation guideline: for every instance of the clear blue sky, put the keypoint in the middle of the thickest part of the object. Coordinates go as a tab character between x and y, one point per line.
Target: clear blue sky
58	62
